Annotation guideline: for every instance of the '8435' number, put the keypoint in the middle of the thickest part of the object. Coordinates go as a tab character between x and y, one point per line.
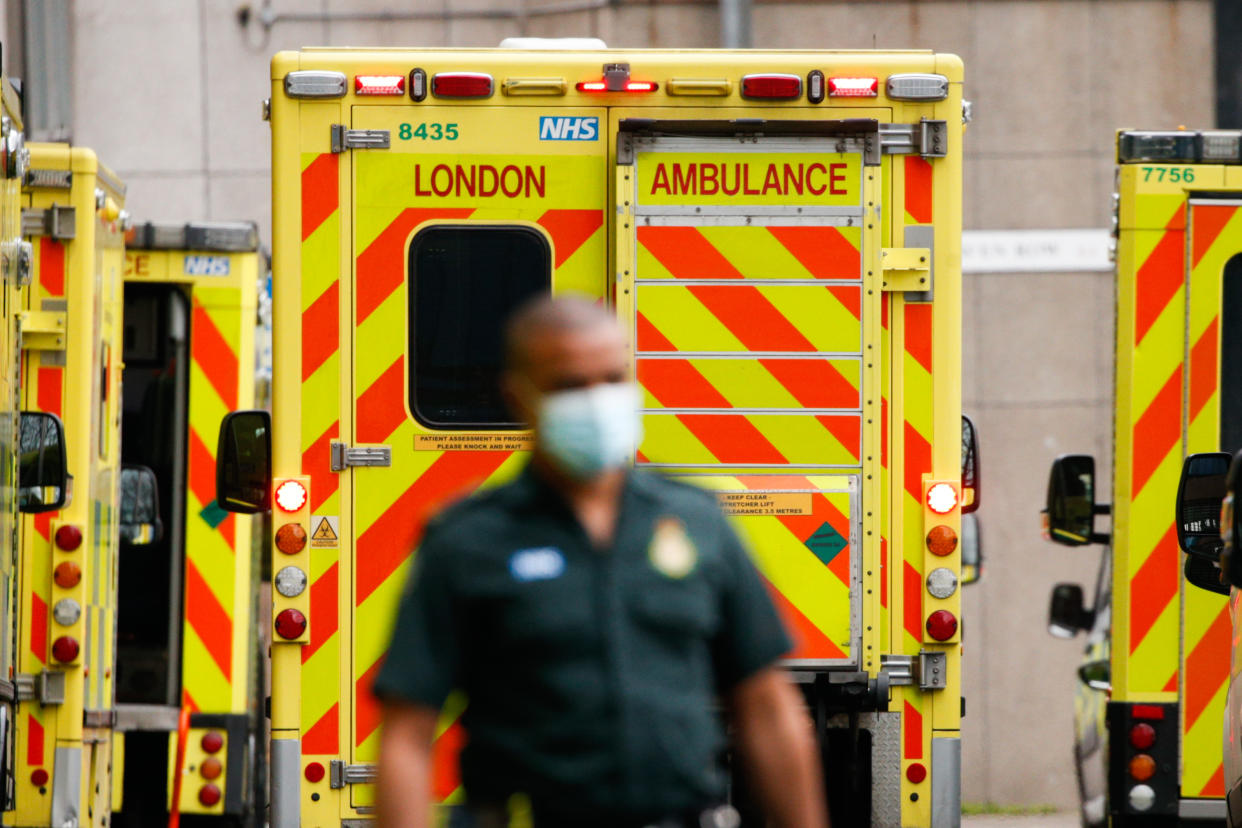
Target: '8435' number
428	132
1174	175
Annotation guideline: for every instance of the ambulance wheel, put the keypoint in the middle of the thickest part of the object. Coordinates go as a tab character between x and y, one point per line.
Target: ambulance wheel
1083	819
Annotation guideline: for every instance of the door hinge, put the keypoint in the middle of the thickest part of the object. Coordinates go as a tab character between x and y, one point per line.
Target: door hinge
927	138
344	456
933	670
905	268
56	222
42	330
46	688
345	139
341	774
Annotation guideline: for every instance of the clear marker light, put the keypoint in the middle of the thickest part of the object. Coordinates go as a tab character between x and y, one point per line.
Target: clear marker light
941	582
290	582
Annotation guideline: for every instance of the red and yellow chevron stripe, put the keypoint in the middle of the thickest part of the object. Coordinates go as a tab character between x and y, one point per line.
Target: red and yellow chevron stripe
1215	238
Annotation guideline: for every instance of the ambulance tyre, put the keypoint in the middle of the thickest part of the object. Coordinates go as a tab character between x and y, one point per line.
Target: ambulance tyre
1082	797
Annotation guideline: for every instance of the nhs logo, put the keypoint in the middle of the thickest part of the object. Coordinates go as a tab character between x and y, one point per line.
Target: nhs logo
561	128
207	265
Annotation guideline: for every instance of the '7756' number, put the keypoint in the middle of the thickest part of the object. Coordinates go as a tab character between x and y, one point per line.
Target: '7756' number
428	132
1174	175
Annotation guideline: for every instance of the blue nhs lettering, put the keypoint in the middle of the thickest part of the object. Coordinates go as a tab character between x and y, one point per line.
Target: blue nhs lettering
206	265
559	128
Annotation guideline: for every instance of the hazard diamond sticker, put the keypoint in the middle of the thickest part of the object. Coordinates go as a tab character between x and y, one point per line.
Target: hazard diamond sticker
326	532
826	543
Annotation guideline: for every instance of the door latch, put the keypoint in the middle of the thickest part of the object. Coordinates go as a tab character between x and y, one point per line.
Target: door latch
346	139
343	456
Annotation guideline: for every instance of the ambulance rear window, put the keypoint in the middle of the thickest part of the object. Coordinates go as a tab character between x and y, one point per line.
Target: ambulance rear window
464	283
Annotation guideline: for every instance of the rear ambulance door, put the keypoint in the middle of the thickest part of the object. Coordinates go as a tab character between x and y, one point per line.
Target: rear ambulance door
741	271
449	235
1213	422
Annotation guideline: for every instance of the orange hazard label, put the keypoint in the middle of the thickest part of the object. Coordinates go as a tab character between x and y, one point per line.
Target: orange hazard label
765	503
500	441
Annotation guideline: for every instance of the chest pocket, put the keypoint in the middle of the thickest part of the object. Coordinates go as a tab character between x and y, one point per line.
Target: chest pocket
676	610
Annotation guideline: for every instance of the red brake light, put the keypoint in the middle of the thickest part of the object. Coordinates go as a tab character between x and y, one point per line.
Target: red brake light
1142	736
1147	711
290	624
941	625
68	538
379	85
853	87
771	86
461	85
291	496
212	742
65	649
941	498
630	86
208	795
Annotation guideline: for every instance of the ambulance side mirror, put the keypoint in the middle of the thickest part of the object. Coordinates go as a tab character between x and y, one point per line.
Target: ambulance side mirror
1097	674
1200	493
244	462
1066	614
140	507
1069	516
970	466
42	474
972	550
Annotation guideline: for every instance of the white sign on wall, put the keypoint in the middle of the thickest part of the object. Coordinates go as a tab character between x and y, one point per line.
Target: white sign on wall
1035	251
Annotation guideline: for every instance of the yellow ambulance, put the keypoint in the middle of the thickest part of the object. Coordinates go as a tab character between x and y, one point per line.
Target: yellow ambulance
14	278
71	339
1149	713
778	232
185	627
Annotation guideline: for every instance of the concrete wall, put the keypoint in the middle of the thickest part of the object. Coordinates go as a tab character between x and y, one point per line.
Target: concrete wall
169	94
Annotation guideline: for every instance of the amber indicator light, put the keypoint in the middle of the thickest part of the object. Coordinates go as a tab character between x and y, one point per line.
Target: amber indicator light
291	538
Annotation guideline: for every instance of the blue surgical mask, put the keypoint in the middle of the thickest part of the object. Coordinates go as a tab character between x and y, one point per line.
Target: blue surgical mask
586	431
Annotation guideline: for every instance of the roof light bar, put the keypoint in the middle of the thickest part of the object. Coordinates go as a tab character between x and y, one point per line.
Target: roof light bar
1180	146
917	86
225	236
313	83
853	87
379	85
461	85
771	87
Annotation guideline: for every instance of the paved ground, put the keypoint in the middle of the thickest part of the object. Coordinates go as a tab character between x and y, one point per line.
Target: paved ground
1066	820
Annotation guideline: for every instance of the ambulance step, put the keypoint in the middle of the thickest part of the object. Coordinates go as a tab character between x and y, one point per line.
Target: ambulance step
341	774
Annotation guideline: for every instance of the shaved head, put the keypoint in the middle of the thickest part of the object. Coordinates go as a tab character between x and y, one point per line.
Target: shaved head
558	344
557	316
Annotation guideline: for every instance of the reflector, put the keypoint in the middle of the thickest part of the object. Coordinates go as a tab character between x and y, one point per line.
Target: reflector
461	85
290	624
916	773
38	777
65	649
314	772
941	625
771	86
1153	712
